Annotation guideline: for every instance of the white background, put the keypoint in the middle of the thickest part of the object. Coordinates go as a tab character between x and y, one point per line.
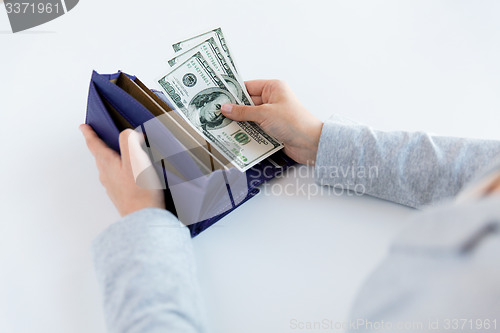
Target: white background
411	65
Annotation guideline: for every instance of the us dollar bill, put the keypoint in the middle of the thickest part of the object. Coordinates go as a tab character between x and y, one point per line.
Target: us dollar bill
212	52
198	93
216	33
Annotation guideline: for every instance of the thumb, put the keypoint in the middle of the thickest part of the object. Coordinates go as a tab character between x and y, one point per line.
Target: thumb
124	147
243	112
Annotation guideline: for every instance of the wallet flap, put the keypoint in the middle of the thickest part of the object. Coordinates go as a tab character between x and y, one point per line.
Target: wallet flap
98	117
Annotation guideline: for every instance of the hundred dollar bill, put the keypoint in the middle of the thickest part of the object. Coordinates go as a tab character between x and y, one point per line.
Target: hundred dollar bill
198	92
216	33
211	51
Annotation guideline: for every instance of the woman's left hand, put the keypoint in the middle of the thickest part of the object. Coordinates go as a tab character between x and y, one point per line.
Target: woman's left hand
116	174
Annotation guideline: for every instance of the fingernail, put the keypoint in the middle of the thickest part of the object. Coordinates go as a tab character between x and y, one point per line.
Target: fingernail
80	127
226	108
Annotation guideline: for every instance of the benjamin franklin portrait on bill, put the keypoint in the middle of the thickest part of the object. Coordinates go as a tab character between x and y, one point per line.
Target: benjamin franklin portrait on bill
204	109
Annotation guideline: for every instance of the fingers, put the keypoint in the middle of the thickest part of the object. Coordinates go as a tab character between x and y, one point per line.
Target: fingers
244	112
257	100
97	147
258	87
255	87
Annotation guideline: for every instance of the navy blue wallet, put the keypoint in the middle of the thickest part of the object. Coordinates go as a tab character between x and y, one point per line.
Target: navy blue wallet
119	101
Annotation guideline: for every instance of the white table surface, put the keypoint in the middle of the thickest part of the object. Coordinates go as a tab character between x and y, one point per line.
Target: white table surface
411	65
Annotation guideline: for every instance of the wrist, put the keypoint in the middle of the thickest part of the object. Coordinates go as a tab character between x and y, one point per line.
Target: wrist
314	135
149	199
303	148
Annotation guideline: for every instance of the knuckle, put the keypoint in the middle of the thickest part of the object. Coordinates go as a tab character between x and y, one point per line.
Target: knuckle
104	160
240	111
91	144
279	84
100	166
102	179
264	108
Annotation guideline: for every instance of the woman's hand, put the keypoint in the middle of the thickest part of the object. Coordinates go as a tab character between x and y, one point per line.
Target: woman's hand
116	172
280	114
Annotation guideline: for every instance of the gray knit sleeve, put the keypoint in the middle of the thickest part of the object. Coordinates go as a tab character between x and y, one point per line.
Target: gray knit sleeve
146	269
410	168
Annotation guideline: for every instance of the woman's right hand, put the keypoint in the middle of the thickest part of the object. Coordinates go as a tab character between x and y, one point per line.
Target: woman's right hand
279	112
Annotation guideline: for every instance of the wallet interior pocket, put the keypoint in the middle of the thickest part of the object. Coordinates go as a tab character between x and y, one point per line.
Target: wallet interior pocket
120	122
208	159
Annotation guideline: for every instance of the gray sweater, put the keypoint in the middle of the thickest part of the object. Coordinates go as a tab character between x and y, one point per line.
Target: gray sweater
442	270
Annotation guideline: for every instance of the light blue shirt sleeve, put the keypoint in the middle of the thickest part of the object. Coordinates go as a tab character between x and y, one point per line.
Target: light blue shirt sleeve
146	268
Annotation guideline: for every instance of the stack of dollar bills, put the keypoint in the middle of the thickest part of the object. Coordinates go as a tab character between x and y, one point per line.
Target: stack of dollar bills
202	78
